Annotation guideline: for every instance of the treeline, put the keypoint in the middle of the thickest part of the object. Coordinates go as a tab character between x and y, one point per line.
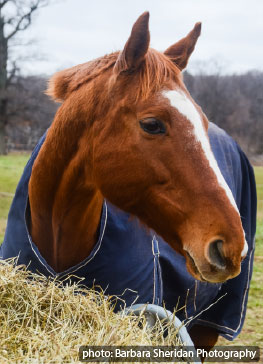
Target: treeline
234	102
30	112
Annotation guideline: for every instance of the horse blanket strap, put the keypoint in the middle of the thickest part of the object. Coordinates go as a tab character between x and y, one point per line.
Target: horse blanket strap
137	264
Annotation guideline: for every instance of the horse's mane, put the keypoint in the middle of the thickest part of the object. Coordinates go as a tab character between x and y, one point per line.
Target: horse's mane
154	72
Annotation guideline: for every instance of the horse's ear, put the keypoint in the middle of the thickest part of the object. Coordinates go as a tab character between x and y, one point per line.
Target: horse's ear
136	46
180	52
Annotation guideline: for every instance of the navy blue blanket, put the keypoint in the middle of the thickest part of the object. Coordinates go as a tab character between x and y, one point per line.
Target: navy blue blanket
131	261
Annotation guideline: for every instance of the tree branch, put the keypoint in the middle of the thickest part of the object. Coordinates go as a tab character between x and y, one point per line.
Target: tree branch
25	20
3	3
12	74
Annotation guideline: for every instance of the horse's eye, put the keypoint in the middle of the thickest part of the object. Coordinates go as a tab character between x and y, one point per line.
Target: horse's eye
153	126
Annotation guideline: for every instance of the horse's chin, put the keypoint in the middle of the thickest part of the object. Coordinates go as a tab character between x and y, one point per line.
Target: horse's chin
202	276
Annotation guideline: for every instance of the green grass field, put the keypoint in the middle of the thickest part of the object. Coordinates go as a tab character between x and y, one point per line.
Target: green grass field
11	168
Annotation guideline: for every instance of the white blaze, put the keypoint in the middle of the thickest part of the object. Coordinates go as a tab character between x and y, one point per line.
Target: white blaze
245	249
183	104
180	101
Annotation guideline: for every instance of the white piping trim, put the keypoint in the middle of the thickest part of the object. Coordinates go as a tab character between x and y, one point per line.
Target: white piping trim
44	265
70	270
156	267
160	272
243	302
247	287
53	273
154	288
98	248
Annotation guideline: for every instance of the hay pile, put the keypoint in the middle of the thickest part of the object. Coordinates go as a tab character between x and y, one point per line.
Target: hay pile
41	322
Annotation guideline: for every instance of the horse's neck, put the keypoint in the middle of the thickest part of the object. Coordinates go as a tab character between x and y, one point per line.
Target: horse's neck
65	204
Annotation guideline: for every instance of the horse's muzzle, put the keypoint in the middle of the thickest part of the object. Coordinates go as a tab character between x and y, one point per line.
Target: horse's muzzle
215	268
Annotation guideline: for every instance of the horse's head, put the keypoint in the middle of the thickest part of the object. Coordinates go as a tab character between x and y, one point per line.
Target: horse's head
150	152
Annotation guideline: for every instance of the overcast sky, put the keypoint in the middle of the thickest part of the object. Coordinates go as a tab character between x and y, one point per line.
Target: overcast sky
75	31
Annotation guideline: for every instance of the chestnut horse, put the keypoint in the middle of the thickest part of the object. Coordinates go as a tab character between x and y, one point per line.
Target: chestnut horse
128	131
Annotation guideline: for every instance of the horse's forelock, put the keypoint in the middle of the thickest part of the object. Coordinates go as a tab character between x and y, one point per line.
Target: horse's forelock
68	80
155	71
154	74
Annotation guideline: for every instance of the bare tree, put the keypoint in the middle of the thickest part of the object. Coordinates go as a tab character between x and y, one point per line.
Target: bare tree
15	17
234	102
30	112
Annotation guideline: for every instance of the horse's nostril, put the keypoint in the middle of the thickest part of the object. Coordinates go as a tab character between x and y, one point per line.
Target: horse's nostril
216	255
